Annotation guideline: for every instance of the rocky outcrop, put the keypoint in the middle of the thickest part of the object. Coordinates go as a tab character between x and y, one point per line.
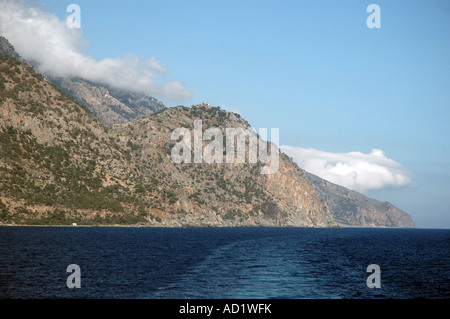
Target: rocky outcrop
351	208
110	106
7	48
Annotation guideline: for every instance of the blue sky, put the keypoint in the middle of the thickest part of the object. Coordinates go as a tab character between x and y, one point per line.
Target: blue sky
313	69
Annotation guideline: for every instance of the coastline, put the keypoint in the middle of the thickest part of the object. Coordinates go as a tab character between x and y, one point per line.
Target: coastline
207	226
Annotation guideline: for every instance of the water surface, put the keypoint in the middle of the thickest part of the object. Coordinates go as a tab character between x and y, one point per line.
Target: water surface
125	262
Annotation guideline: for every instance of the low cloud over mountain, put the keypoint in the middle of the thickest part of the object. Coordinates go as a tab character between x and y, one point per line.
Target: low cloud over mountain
354	170
43	38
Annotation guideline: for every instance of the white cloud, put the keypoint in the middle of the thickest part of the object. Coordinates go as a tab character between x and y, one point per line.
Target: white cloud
229	109
354	170
40	36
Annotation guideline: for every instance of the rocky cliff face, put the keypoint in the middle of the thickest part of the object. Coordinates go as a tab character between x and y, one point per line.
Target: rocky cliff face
54	154
8	49
110	106
351	208
59	164
219	193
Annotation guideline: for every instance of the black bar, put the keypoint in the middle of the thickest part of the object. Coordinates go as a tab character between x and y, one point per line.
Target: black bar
222	308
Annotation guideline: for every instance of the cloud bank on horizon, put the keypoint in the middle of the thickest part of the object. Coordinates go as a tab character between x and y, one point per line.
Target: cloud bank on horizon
42	37
354	170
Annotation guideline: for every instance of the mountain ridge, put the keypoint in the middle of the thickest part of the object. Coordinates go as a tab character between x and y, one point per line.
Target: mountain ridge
60	165
109	105
129	132
352	209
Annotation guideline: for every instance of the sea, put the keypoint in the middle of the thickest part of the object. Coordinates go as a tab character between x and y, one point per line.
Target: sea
223	263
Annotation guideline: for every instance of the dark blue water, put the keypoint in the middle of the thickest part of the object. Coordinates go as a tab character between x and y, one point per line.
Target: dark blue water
223	262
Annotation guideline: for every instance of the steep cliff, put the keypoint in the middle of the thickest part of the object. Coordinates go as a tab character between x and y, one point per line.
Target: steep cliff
351	208
54	154
59	165
7	48
219	193
109	105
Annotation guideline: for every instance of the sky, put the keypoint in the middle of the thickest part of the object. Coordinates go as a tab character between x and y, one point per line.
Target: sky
366	108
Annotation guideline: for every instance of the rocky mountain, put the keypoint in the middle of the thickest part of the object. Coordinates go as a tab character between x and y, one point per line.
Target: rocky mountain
350	208
8	49
76	151
59	165
109	105
53	152
220	193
